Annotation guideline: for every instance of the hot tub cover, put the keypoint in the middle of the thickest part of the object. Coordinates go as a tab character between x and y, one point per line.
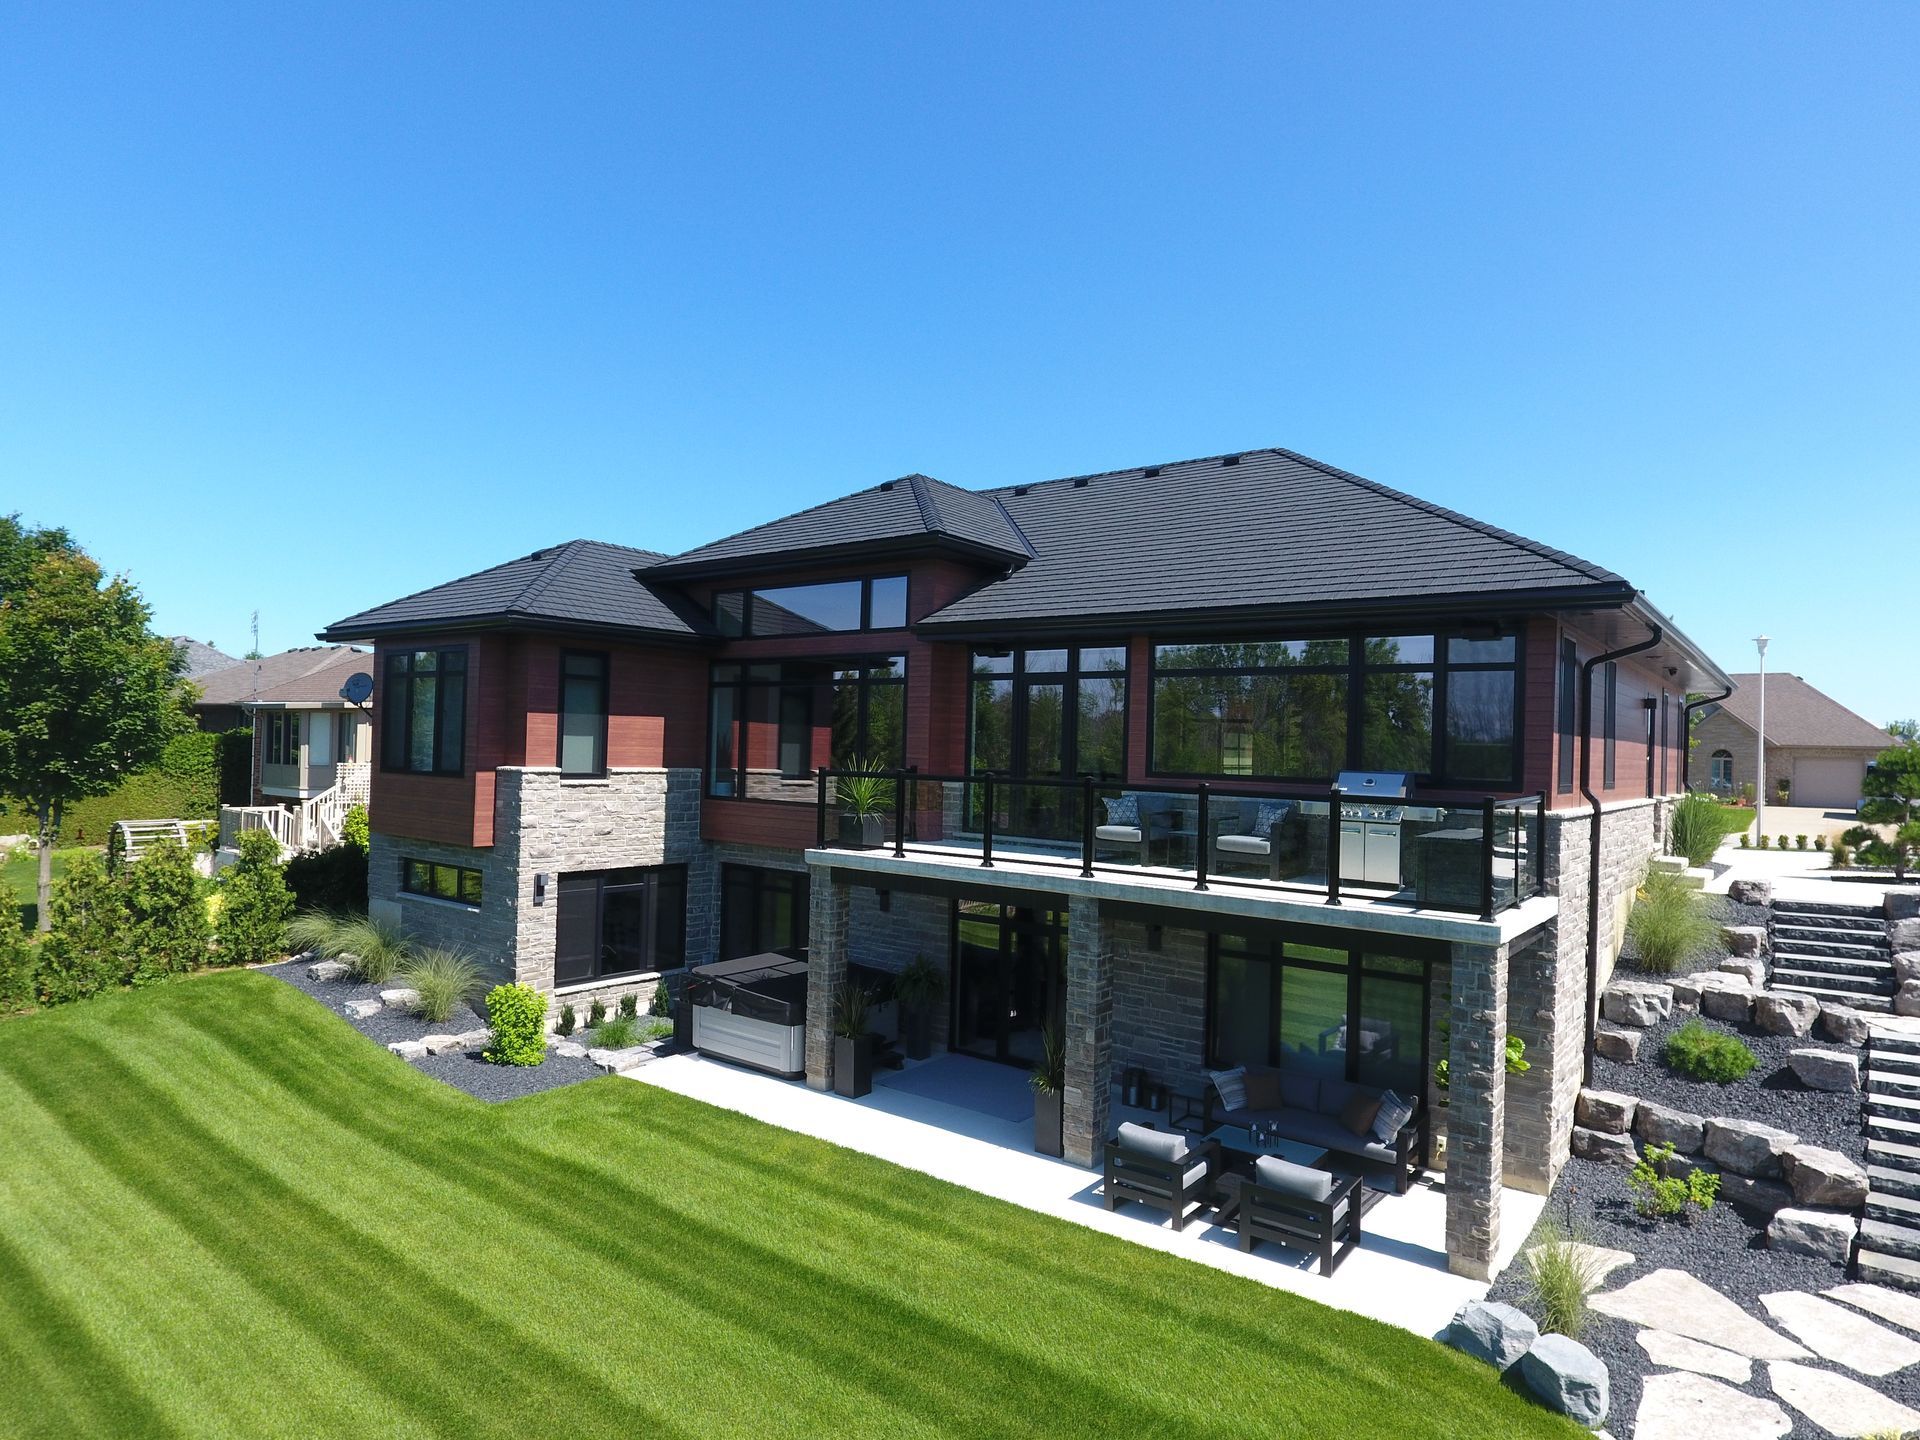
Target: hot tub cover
770	987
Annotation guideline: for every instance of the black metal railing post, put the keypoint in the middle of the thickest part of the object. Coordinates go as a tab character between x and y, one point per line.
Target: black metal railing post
1086	827
1200	841
899	814
1333	847
986	820
913	811
820	837
1489	839
1539	841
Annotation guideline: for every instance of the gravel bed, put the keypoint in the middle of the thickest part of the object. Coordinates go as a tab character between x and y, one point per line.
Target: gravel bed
479	1078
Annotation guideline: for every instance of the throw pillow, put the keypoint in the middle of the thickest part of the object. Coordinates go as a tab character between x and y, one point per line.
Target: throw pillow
1262	1088
1232	1085
1167	1145
1123	810
1268	816
1302	1180
1394	1112
1359	1112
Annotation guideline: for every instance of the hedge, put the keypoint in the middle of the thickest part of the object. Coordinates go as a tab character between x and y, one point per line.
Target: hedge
196	772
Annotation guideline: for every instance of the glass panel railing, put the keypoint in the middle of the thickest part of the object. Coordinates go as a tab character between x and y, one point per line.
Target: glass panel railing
1443	856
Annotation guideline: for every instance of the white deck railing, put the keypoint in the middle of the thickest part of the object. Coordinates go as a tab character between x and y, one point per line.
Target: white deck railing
313	824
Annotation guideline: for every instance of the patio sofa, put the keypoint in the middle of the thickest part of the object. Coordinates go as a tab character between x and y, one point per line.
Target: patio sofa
1166	1169
1308	1108
1134	821
1238	836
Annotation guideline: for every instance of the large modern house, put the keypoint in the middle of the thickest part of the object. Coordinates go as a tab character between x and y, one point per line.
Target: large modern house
1235	760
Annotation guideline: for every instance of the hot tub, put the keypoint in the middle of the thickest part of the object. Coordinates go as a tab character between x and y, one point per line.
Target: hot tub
752	1011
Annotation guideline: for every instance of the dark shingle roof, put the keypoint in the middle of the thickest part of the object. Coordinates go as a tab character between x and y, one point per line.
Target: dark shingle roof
915	510
583	583
1267	530
253	679
1798	714
200	658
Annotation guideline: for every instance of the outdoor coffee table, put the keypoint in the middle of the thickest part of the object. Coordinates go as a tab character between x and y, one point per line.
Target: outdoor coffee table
1236	1142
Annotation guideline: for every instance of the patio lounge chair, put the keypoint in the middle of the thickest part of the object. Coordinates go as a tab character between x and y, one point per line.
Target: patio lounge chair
1268	833
1298	1206
1162	1168
1134	822
1308	1108
1377	1040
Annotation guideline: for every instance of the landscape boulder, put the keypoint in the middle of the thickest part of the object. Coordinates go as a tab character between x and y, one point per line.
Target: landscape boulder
1637	1002
1750	968
1823	1177
1661	1125
1906	1000
1745	939
1843	1024
1604	1110
1751	892
1903	905
1746	1147
1763	1196
403	998
409	1049
1904	934
1833	1070
1726	997
1617	1042
362	1009
325	970
1786	1013
1827	1234
1487	1330
1906	965
1686	993
1603	1145
1566	1376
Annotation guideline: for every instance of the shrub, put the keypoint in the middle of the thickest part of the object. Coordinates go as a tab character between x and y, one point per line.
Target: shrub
1746	843
1702	1054
375	948
654	1028
1820	842
330	879
662	1002
256	906
19	955
1842	855
446	980
354	829
567	1021
81	954
1669	924
596	1012
1659	1195
617	1033
518	1015
1562	1272
629	1006
167	930
1698	828
1799	842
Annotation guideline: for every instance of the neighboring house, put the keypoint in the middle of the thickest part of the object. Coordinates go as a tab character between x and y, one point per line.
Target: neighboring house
1130	693
200	659
293	682
1814	743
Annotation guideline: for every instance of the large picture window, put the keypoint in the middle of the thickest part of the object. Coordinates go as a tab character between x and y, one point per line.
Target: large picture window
828	607
1048	714
761	910
620	922
583	713
424	711
772	725
283	739
1444	707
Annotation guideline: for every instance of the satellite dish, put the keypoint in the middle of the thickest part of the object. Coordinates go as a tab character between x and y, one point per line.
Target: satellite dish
358	689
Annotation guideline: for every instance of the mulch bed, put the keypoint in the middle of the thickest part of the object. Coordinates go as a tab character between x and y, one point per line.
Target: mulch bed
468	1072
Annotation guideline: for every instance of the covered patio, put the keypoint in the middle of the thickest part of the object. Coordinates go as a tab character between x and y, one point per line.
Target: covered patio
1399	1275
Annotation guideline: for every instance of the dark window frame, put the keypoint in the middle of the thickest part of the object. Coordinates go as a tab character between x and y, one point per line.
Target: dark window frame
282	738
759	880
744	681
1568	723
746	595
1356	668
643	878
431	890
1070	678
605	682
401	674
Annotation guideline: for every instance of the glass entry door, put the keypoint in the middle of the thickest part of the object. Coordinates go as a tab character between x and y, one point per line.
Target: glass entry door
1009	979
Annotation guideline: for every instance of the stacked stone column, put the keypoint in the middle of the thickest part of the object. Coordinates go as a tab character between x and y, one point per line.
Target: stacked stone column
1477	1108
826	971
1089	1032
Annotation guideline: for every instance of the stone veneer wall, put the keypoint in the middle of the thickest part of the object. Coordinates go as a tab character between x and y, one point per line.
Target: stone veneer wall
910	925
1160	1003
636	817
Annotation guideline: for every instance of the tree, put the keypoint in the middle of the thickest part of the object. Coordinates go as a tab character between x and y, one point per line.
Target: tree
19	956
167	930
1890	799
1905	731
84	953
255	903
88	693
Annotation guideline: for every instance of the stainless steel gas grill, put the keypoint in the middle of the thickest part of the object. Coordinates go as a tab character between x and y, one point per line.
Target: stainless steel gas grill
1371	818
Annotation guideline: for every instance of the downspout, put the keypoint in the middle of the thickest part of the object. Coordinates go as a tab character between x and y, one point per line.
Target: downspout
1686	730
1593	834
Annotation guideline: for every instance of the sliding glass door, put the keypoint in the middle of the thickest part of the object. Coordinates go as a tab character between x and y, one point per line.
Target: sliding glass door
1009	979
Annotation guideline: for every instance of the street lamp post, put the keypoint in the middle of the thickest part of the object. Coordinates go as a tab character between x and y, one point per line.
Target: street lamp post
1760	753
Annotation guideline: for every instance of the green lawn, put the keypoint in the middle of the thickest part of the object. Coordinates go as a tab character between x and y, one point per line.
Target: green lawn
21	870
227	1213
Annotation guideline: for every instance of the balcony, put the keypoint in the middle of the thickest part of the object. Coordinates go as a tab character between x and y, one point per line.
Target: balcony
1478	858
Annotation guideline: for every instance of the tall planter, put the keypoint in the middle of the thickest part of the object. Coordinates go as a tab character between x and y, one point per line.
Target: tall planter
916	1031
852	1066
1047	1136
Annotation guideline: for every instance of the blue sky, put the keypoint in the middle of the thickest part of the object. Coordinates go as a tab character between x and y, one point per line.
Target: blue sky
302	308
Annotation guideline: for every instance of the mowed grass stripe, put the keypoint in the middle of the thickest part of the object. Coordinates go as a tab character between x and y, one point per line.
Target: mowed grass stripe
374	1253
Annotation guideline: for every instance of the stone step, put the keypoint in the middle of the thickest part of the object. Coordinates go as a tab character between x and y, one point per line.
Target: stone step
1841	949
1894	1208
1892	1127
1895	1271
1887	1237
1897	1105
1885	1180
1892	1082
1866	966
1893	1062
1889	1044
1832	982
1835	924
1841	932
1781	909
1668	864
1894	1155
1856	999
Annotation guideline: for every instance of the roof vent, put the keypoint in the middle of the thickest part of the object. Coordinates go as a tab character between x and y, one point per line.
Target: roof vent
1081	483
1021	489
1151	471
1229	459
885	485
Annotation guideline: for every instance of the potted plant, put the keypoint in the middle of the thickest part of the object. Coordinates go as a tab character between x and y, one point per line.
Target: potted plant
1049	1082
863	803
919	988
852	1047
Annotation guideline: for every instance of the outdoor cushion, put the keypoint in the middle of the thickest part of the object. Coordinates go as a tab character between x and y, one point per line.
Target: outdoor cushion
1297	1091
1128	833
1123	810
1263	1088
1325	1132
1357	1115
1153	1144
1244	844
1195	1174
1232	1085
1269	816
1334	1095
1301	1180
1394	1112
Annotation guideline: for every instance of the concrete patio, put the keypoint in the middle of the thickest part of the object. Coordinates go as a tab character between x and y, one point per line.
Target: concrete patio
1399	1275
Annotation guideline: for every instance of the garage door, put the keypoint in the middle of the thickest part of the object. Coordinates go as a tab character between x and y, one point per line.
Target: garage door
1828	784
